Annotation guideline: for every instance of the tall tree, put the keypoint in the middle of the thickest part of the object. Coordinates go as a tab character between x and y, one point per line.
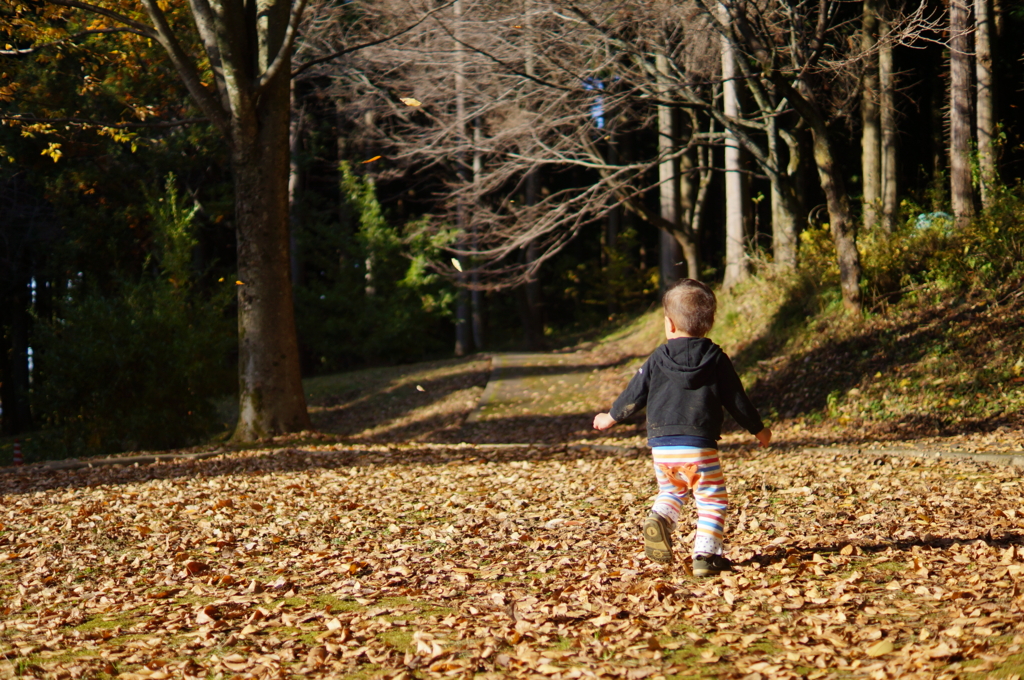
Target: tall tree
245	94
532	303
808	98
735	207
985	112
960	127
871	150
890	131
669	186
463	329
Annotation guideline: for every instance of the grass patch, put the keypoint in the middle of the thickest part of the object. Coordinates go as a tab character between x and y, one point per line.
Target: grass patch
397	638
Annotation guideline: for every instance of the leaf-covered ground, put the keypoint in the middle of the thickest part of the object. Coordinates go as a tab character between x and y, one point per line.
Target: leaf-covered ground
403	541
435	560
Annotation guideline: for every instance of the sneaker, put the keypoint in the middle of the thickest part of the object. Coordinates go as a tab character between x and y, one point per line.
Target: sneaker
657	539
710	565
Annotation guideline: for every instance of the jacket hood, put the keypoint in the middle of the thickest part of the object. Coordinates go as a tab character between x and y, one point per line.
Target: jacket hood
690	362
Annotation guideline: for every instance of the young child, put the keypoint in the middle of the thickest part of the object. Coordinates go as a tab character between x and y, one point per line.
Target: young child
684	384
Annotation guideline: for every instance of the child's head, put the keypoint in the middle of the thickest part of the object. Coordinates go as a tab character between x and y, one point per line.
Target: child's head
690	306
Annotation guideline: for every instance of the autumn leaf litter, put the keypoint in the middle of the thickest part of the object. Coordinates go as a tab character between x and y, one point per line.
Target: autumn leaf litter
451	561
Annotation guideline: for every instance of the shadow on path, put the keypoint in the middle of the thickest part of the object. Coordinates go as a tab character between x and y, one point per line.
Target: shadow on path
32	479
802	554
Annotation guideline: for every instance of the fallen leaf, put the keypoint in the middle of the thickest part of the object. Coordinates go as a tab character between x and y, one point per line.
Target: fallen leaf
879	648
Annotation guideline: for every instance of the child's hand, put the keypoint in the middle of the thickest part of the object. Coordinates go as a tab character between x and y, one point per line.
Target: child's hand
602	421
764	436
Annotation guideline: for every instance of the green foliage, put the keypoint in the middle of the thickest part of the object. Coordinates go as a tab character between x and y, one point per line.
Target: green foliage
927	248
137	367
174	239
614	283
371	294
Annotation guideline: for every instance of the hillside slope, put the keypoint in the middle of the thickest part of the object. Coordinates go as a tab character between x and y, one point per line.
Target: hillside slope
938	369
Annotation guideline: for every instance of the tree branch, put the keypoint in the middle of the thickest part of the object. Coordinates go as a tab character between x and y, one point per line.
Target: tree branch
70	38
186	69
285	51
89	122
371	43
103	11
202	16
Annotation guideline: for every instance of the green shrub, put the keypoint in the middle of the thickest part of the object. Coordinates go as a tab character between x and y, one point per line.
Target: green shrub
138	368
926	249
372	295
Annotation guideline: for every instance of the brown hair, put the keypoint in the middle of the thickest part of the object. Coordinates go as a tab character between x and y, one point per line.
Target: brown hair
691	306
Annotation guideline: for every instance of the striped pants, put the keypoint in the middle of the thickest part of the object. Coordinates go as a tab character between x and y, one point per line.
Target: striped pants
681	470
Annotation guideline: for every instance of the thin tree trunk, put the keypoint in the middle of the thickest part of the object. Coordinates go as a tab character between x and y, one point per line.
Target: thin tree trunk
785	202
613	223
871	159
532	301
960	126
689	192
830	177
696	213
476	295
670	257
985	114
887	89
462	324
668	187
294	187
735	226
838	201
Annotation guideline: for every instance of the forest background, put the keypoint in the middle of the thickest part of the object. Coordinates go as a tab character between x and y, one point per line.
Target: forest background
466	176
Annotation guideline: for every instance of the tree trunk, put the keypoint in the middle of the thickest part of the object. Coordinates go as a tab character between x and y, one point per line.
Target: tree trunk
842	225
613	222
462	322
696	215
476	295
830	177
986	117
294	188
689	193
668	182
670	258
532	303
960	126
871	159
248	47
786	206
735	227
271	400
886	86
462	327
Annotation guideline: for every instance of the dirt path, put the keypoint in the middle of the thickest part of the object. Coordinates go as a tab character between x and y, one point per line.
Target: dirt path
536	384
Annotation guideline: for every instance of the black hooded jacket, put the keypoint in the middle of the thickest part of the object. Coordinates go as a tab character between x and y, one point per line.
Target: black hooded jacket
684	384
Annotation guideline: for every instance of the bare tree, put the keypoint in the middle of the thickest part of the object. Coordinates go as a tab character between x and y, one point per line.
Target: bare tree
800	71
